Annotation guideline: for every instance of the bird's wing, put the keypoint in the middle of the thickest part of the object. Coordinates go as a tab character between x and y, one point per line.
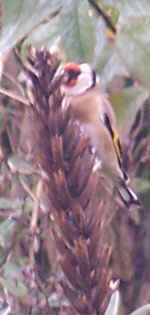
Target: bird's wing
114	135
116	142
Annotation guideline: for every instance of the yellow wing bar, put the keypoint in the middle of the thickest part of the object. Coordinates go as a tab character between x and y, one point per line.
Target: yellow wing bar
114	136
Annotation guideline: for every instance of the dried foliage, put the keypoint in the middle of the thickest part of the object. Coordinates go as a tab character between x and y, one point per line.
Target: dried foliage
78	224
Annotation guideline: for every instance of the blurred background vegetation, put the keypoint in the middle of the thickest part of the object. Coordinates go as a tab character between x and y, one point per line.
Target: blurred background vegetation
73	30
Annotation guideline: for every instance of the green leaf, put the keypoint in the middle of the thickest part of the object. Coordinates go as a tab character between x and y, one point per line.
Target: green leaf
113	13
77	30
6	203
132	42
126	102
128	8
114	305
110	65
21	17
142	184
16	288
12	270
6	229
134	48
100	34
46	35
144	310
19	164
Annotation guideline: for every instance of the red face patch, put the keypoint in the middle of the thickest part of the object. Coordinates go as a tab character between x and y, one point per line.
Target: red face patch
72	66
71	72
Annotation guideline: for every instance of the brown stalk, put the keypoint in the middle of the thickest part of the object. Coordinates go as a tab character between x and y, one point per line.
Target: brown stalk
62	152
104	15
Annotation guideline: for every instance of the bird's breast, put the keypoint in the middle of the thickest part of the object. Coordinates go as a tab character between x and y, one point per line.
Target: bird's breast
85	108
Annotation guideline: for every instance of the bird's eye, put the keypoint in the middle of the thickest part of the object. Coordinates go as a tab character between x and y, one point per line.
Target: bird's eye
70	77
72	74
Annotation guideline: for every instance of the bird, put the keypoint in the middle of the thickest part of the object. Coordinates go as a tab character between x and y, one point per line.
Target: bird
81	87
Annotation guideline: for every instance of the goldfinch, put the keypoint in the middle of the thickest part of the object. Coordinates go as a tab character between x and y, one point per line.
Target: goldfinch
90	106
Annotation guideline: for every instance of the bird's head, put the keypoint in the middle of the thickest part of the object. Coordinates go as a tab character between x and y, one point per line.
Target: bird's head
77	78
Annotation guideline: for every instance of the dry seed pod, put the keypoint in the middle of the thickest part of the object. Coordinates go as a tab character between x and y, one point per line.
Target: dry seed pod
62	152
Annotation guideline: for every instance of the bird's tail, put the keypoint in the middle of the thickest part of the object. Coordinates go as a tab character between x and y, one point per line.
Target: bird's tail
128	196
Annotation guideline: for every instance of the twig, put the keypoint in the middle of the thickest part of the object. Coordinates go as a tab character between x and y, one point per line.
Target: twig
14	96
35	215
14	82
27	189
104	15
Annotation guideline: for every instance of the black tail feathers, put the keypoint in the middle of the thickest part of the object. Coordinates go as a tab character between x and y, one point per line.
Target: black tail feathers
128	196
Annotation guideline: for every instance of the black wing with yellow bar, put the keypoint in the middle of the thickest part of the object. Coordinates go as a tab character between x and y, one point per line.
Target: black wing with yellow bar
116	142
